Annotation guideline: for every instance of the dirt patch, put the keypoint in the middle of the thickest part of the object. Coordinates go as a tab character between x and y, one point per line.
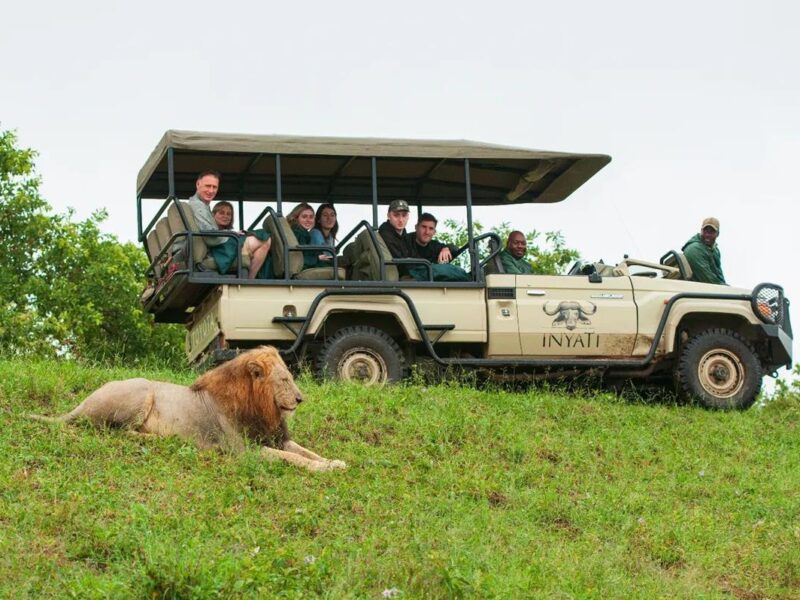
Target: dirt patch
548	455
496	498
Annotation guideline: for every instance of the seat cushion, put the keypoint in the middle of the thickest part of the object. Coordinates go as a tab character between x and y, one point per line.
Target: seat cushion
319	273
368	264
277	249
199	248
678	260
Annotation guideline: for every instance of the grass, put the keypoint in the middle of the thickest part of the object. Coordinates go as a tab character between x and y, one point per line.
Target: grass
451	492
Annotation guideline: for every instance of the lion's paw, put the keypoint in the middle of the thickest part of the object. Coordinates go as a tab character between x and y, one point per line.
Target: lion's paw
326	465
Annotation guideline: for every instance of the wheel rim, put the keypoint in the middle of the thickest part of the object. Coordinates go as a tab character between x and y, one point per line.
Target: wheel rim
364	365
721	373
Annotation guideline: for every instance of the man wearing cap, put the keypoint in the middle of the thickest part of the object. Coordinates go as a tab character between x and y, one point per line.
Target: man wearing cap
393	231
703	255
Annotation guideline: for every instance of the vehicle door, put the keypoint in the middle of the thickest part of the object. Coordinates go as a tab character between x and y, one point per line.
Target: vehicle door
576	315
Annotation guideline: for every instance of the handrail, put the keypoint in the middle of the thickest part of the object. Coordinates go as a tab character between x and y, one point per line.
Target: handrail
488	235
505	362
351	234
678	262
154	220
270	212
397	261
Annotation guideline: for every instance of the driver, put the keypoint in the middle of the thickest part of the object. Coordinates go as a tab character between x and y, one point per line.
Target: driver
513	255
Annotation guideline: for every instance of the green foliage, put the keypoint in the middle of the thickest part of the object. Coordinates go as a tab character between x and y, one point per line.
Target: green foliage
787	391
549	256
450	492
66	288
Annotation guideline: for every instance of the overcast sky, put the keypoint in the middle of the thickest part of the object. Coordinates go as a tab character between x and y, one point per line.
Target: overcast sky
698	103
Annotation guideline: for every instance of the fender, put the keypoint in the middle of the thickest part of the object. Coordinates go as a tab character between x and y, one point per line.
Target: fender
365	304
741	309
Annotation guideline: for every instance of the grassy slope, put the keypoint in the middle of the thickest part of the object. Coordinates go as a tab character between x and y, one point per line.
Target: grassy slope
451	492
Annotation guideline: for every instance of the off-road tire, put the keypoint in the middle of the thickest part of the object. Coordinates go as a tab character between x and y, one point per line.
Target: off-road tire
720	370
361	353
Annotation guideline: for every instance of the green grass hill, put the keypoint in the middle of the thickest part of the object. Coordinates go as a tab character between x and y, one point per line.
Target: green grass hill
451	492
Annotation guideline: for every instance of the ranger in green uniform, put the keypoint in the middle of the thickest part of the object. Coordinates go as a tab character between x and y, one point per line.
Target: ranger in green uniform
513	255
702	253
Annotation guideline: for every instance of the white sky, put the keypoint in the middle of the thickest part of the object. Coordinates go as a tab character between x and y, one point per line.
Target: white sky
698	103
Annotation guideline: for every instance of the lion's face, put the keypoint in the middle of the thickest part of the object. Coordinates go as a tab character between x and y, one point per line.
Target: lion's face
269	371
287	394
255	388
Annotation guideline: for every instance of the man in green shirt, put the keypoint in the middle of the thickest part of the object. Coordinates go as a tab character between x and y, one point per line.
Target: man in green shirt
703	255
513	255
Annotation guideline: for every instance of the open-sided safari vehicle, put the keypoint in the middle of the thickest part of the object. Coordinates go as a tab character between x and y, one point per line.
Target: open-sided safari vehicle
358	320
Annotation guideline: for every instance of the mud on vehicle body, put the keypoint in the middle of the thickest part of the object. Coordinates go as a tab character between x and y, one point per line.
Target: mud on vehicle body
358	319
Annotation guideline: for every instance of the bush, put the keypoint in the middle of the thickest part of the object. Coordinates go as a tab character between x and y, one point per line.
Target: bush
66	288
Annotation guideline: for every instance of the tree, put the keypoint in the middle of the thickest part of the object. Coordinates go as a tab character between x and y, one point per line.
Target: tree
550	258
66	288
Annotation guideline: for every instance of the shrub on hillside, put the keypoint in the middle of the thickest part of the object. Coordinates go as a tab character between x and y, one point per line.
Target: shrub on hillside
66	288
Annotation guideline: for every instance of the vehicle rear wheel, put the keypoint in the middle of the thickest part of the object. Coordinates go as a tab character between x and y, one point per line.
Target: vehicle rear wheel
361	353
719	369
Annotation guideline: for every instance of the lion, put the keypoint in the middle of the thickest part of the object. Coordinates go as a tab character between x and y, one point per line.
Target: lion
248	397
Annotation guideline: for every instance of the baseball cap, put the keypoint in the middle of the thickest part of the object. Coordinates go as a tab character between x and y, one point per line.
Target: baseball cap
711	222
398	206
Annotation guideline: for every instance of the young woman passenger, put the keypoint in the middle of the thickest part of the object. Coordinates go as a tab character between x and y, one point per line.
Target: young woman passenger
225	254
326	225
301	220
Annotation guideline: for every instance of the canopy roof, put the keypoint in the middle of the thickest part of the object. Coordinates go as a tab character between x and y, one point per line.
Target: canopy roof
328	169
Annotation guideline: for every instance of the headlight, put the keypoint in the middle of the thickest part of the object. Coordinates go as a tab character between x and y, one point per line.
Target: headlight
768	303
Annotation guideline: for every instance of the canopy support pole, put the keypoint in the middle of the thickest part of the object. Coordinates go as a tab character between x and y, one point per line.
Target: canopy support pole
472	252
278	188
171	171
139	216
374	192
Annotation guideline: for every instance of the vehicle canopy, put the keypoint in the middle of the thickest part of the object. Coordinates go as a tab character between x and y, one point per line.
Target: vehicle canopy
271	169
357	170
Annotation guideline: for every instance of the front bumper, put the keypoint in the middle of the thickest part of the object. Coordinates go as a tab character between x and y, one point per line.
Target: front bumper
778	346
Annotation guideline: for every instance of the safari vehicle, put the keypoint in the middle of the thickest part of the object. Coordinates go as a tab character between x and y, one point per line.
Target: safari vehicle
359	320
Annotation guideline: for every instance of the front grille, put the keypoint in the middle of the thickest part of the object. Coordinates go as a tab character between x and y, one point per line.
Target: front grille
769	304
502	293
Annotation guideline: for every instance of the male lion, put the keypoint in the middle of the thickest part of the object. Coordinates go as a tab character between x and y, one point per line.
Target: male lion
250	397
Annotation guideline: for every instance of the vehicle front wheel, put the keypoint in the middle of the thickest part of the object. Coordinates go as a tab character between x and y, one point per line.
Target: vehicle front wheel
361	353
719	369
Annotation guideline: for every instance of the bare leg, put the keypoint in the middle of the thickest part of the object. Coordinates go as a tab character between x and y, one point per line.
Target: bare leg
258	251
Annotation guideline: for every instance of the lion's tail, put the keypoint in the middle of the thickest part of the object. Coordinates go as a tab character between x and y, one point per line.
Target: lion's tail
61	419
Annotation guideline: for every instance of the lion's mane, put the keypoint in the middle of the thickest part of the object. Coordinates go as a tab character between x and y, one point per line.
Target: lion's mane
244	390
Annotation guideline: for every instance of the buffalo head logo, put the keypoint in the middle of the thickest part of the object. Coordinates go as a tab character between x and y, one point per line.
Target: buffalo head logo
570	312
